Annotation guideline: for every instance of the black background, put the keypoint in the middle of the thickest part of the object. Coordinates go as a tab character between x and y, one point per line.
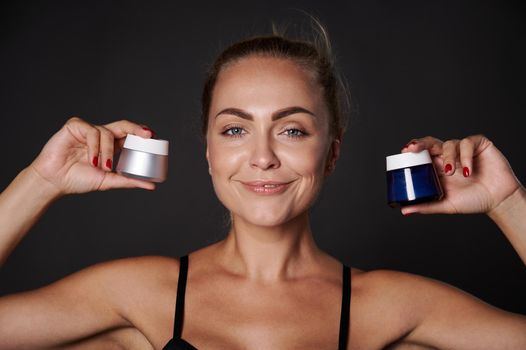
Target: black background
415	68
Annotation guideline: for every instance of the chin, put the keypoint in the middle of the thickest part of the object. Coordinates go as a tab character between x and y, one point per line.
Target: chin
265	217
264	220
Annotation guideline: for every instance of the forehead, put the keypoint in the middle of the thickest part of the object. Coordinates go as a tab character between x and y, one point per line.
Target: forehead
276	82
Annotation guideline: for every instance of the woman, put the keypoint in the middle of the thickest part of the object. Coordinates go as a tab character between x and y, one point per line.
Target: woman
273	125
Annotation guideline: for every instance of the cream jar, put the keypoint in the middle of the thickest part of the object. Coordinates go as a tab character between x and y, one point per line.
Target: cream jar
145	159
411	179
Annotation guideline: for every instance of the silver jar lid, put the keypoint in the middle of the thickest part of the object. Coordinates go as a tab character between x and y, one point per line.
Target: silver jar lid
153	146
145	159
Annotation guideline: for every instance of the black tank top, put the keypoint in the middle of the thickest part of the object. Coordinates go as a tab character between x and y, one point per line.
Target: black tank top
178	343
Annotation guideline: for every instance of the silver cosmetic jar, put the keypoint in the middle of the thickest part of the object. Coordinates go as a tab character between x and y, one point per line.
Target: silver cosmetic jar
145	159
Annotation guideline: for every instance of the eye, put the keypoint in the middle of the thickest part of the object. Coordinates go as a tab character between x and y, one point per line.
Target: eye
234	131
293	132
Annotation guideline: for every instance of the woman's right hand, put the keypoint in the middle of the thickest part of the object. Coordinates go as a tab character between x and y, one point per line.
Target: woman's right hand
79	157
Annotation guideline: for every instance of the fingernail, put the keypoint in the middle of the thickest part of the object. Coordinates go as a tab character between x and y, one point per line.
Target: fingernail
95	161
465	171
109	163
407	214
150	130
409	144
448	168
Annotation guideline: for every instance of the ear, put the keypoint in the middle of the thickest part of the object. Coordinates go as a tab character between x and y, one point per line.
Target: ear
208	160
333	155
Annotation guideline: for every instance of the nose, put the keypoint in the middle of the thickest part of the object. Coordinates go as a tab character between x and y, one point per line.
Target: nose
263	155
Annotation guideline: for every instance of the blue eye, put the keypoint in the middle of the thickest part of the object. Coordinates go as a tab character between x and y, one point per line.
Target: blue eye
294	132
234	132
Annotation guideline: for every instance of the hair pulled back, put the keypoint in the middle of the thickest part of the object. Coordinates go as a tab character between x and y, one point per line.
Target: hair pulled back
315	56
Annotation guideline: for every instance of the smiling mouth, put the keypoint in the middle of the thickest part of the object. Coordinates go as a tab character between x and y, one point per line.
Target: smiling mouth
266	187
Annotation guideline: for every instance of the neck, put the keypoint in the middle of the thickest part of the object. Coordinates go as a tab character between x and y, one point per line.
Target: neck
270	253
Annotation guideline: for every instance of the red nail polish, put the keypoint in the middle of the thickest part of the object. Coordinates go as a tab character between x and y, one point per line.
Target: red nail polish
409	144
448	168
465	171
150	130
95	161
108	164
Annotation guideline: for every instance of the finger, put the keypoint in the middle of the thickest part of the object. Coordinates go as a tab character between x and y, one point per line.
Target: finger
432	144
470	147
106	148
114	180
409	145
449	156
87	134
93	142
466	149
123	127
149	130
428	208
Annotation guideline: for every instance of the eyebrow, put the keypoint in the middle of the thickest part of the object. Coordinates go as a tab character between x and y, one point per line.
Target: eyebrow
282	113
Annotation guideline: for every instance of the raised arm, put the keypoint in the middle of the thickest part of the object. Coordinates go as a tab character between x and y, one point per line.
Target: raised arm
21	205
476	178
510	216
77	159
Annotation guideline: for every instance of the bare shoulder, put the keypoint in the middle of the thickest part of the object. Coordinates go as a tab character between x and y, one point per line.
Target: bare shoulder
396	281
418	295
127	275
143	291
136	278
133	292
382	306
142	267
141	262
409	308
403	295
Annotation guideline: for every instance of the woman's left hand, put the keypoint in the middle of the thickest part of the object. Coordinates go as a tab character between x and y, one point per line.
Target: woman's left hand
475	175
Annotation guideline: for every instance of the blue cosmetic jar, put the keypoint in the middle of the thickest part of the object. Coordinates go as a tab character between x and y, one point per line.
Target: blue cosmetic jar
411	179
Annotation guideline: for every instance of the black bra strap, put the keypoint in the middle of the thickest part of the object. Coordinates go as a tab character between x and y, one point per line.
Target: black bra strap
346	305
179	302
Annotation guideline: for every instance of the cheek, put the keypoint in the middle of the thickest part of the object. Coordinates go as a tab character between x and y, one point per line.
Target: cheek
307	159
224	161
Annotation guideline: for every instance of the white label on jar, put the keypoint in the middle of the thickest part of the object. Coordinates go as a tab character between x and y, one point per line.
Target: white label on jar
409	184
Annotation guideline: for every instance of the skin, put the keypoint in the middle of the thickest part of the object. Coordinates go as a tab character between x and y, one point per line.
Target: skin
267	285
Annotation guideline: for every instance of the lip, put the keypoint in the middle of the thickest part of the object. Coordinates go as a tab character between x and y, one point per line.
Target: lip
266	187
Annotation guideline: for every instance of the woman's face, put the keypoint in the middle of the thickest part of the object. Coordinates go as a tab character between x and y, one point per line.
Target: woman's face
268	140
